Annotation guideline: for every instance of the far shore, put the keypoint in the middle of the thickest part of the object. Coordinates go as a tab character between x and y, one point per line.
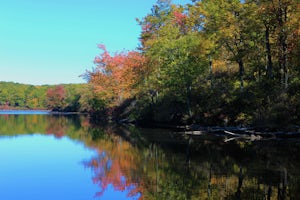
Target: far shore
44	111
8	108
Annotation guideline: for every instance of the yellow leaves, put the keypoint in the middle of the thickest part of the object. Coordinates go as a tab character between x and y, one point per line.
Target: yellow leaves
219	66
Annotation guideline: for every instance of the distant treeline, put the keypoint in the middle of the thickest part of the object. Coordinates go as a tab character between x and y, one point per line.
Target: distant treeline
64	97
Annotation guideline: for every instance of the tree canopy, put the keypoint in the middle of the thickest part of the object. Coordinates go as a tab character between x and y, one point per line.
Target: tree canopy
210	61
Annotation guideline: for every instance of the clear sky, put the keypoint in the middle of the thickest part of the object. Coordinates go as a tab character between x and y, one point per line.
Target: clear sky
54	41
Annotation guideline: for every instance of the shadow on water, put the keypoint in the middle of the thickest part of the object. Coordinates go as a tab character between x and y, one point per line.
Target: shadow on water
160	164
167	165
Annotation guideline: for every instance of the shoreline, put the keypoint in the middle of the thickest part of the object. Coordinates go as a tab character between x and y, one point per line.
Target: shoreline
38	111
191	129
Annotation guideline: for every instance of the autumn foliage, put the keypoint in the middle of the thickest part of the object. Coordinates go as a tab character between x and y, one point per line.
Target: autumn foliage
56	97
208	61
117	164
115	77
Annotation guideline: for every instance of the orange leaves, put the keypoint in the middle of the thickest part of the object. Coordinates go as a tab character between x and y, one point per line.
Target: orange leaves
116	75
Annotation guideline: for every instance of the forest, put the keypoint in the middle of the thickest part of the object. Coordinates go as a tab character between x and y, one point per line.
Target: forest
65	97
210	62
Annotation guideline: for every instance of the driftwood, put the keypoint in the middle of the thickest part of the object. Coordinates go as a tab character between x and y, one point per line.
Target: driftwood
233	133
252	137
229	133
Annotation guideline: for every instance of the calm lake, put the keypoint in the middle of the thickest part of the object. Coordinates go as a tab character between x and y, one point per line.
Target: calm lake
61	157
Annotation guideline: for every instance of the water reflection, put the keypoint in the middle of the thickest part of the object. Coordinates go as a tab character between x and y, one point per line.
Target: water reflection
158	164
42	167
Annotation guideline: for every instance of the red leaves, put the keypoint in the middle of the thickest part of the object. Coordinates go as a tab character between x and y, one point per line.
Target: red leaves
180	18
55	97
115	75
97	59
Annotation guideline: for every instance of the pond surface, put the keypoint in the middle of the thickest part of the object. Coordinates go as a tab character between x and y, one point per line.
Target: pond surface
24	112
66	157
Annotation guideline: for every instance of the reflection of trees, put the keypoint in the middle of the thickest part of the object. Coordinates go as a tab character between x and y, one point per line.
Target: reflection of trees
262	170
160	165
117	163
56	126
72	125
157	164
22	124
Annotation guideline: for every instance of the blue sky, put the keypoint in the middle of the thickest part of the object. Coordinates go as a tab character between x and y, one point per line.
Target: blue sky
54	41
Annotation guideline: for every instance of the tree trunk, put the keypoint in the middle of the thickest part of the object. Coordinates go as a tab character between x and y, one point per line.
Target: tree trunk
241	73
282	18
211	72
188	99
269	56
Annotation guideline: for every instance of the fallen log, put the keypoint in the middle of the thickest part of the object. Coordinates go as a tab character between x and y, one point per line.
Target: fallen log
247	133
233	134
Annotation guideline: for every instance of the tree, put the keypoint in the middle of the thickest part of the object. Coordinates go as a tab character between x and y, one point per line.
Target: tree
55	98
233	25
175	51
280	27
250	48
115	77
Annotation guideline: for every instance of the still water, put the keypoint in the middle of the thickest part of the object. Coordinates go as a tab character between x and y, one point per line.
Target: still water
45	156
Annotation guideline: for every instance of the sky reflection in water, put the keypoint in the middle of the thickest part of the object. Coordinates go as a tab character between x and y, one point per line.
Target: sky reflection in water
44	167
